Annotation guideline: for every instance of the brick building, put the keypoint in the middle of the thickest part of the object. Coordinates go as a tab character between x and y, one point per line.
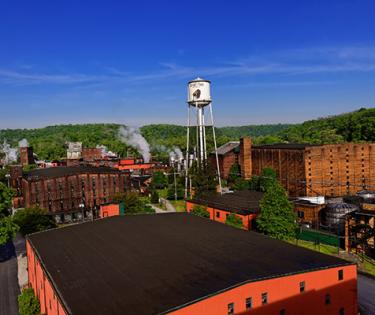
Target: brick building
26	155
72	191
311	170
206	268
244	204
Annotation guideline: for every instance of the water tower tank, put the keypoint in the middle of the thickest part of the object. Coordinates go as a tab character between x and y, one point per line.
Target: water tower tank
199	92
335	213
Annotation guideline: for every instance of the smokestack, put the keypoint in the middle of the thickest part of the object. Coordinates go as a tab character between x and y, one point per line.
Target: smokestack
245	158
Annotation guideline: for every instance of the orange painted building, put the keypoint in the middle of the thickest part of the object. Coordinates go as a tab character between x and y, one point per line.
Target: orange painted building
211	269
244	204
111	209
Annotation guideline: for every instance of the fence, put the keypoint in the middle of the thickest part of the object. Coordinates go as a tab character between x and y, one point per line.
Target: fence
318	237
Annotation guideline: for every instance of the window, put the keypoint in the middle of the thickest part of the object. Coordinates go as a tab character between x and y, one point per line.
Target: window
342	311
341	274
217	214
283	312
264	298
230	308
249	303
302	286
301	214
327	299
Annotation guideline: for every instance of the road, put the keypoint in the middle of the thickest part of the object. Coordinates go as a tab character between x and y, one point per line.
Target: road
9	283
366	294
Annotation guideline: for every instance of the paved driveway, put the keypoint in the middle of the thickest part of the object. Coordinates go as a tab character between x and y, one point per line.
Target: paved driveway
9	283
366	294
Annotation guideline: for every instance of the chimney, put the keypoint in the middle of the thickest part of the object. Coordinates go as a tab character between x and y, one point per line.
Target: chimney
245	158
26	156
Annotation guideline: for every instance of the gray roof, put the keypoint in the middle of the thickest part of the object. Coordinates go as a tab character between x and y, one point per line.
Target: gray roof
227	147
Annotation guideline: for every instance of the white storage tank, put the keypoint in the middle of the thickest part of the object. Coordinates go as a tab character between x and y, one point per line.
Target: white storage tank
199	92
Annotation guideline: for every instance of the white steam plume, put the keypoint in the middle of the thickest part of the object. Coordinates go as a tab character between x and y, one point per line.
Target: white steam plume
11	154
23	143
133	137
105	152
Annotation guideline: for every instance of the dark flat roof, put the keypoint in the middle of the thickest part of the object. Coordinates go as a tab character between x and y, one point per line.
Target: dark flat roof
60	171
151	264
241	202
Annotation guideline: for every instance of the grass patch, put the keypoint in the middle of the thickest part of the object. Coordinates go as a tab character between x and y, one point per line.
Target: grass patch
180	205
367	264
163	193
322	248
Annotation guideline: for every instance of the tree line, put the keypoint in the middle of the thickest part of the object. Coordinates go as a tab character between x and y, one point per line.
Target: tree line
49	142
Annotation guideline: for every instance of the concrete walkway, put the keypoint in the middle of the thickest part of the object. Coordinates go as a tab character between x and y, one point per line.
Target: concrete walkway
168	205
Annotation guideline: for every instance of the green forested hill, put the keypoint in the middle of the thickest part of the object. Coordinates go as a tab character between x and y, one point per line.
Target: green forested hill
49	142
357	126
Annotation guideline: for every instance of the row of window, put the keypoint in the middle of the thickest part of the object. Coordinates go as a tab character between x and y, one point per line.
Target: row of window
302	287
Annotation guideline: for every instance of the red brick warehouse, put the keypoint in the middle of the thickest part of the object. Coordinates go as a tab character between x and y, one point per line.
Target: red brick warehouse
206	268
66	192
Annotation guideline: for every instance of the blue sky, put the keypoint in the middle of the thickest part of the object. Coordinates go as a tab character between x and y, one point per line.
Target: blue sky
129	61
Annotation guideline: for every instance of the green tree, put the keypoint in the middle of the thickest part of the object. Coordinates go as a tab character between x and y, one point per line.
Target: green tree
240	184
200	211
204	179
34	219
234	220
6	195
277	218
28	304
159	180
266	178
234	173
8	229
154	197
133	203
171	192
254	184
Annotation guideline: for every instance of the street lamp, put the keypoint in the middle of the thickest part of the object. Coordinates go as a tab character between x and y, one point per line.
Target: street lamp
82	207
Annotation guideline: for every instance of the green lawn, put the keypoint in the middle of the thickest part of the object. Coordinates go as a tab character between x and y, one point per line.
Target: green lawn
179	205
162	192
368	265
322	248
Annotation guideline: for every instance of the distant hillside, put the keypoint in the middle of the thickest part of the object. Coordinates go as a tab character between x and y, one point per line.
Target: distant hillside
357	126
49	142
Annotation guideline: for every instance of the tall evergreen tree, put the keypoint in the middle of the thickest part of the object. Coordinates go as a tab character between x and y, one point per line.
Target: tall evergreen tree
277	218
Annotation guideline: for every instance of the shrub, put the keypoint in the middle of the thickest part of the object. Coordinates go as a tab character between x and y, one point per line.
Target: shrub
240	184
8	230
154	197
200	211
28	304
234	221
34	219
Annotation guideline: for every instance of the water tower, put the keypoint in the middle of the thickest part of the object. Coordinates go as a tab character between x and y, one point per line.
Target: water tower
199	100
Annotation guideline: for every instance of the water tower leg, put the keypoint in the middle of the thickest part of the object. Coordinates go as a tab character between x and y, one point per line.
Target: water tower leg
187	153
201	137
215	146
204	136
